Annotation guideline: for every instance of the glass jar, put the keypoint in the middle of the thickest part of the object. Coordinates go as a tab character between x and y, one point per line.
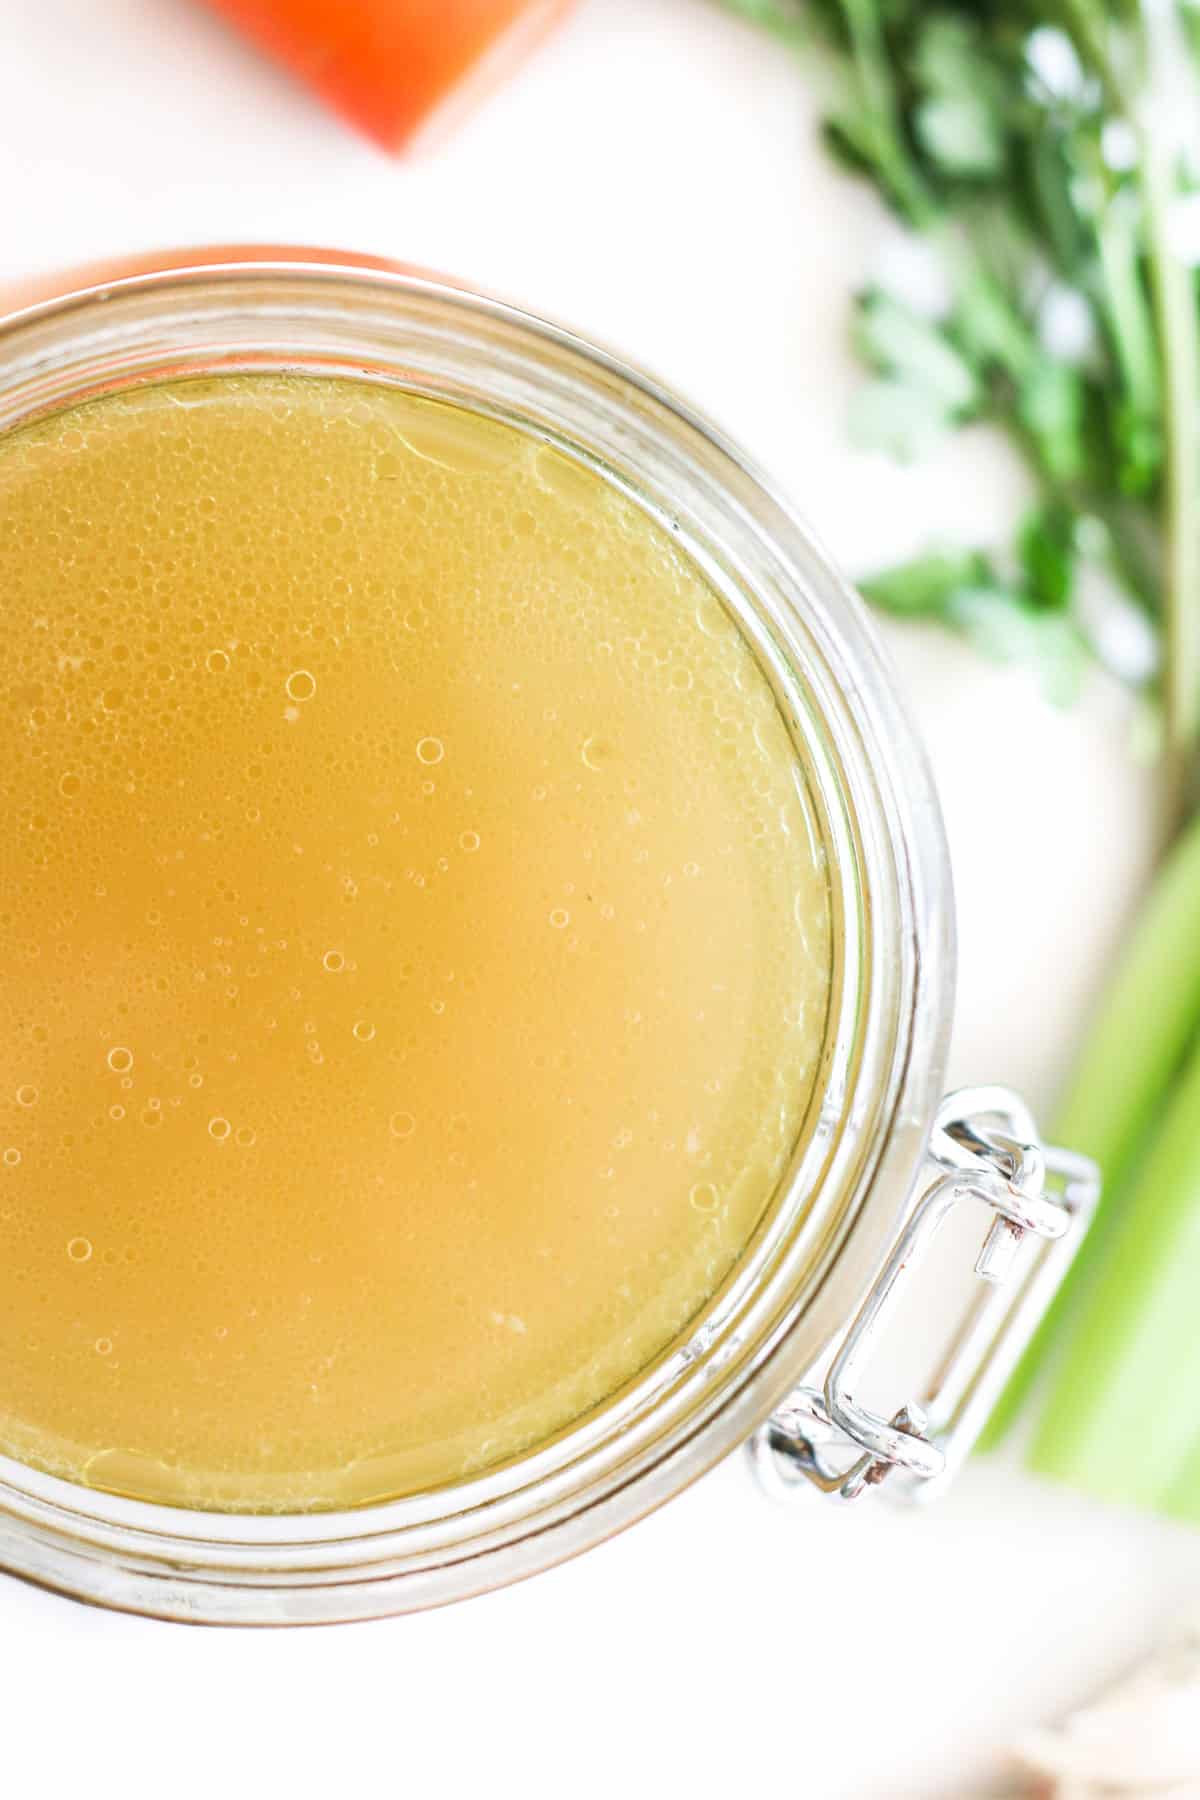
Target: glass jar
826	1252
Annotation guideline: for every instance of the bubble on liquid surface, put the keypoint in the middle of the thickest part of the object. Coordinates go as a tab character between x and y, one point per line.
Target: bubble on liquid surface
301	685
704	1197
430	750
219	1129
333	962
402	1124
596	754
560	918
79	1249
27	1095
120	1059
363	1030
11	1157
469	841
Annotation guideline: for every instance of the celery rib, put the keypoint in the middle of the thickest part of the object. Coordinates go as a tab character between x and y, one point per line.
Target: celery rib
1121	1419
1135	1044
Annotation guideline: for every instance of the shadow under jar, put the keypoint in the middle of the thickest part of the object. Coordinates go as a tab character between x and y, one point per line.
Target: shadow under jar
479	975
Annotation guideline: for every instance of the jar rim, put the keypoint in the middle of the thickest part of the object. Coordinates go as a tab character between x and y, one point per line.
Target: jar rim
885	1060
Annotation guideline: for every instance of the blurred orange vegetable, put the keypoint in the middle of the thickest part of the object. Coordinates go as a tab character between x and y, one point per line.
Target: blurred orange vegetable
389	65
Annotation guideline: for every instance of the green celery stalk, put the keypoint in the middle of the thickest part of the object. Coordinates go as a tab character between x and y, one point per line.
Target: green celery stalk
1135	1044
1123	1419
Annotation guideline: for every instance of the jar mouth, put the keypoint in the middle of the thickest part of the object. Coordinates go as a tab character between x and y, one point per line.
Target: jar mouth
890	1003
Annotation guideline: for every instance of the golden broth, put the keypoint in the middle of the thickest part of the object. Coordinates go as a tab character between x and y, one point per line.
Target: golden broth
414	945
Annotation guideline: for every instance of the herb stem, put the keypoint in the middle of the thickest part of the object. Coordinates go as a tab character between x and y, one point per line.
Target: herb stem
1174	300
872	67
1175	304
1088	27
1127	307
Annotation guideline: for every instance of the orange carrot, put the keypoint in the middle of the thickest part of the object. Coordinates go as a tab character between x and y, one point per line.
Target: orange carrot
389	65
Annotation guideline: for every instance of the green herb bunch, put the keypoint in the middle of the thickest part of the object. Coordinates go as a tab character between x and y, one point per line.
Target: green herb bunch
1041	153
1045	156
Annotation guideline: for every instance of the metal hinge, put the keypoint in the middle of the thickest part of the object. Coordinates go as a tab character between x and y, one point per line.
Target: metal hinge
984	1145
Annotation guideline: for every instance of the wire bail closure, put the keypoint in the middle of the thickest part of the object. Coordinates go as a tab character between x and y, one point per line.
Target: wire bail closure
985	1147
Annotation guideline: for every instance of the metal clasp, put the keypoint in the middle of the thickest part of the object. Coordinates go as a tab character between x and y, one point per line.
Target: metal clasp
985	1148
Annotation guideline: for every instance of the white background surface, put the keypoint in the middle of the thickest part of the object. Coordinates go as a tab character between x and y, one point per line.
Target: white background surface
653	179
